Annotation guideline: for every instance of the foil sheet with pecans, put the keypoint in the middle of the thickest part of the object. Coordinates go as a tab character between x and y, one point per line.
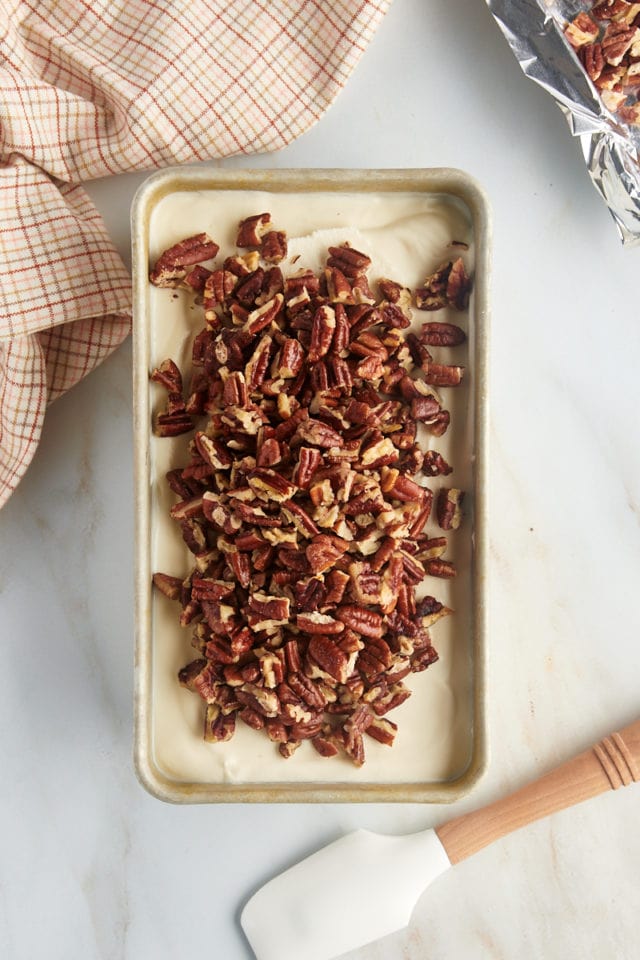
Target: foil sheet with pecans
535	31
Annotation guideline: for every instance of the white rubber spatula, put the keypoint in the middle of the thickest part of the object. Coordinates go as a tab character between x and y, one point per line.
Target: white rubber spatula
365	886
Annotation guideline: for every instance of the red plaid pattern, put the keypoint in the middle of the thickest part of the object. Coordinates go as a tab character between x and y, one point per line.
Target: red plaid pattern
90	88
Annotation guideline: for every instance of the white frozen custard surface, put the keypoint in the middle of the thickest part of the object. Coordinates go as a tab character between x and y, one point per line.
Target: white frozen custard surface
407	237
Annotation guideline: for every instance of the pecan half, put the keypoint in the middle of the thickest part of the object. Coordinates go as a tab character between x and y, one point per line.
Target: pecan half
442	334
448	286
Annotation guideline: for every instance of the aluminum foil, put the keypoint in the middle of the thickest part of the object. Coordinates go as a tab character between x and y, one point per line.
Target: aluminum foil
534	31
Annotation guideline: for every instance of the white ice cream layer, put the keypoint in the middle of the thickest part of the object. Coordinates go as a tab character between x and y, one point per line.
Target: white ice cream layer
407	236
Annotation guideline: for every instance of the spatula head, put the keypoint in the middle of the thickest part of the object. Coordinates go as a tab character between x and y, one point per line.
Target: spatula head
358	889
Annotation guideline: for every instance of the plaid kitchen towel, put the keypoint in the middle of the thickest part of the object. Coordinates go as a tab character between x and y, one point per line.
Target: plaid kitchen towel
90	88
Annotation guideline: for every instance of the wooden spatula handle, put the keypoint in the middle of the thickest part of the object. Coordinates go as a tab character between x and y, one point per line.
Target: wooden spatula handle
613	762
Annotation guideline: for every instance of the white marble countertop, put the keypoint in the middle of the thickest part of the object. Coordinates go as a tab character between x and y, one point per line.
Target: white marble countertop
91	866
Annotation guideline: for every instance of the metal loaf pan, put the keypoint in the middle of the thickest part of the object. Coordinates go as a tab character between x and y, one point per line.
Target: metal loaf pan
446	751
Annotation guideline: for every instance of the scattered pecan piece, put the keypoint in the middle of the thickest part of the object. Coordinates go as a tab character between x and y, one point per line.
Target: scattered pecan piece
252	229
171	587
442	335
435	465
171	267
274	246
174	419
324	551
449	508
606	40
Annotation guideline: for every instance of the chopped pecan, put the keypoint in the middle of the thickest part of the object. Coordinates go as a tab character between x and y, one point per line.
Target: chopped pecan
393	292
393	316
609	49
270	608
271	485
310	594
443	375
326	653
174	419
323	552
617	39
430	610
290	359
435	465
383	730
318	434
251	230
351	262
425	408
440	568
581	30
218	726
207	589
171	587
197	278
263	315
309	459
326	745
592	60
199	676
364	621
213	452
247	291
172	424
433	295
171	267
314	622
403	488
168	375
274	246
260	700
339	289
630	113
269	454
442	334
336	581
612	9
322	330
448	286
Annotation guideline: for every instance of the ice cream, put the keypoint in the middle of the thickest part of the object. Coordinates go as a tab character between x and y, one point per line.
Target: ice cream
407	235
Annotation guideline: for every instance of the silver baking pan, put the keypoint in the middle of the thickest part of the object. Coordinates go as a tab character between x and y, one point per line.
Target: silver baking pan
441	748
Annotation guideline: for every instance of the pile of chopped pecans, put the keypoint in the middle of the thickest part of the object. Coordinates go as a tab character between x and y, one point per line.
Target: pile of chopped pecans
303	501
607	42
